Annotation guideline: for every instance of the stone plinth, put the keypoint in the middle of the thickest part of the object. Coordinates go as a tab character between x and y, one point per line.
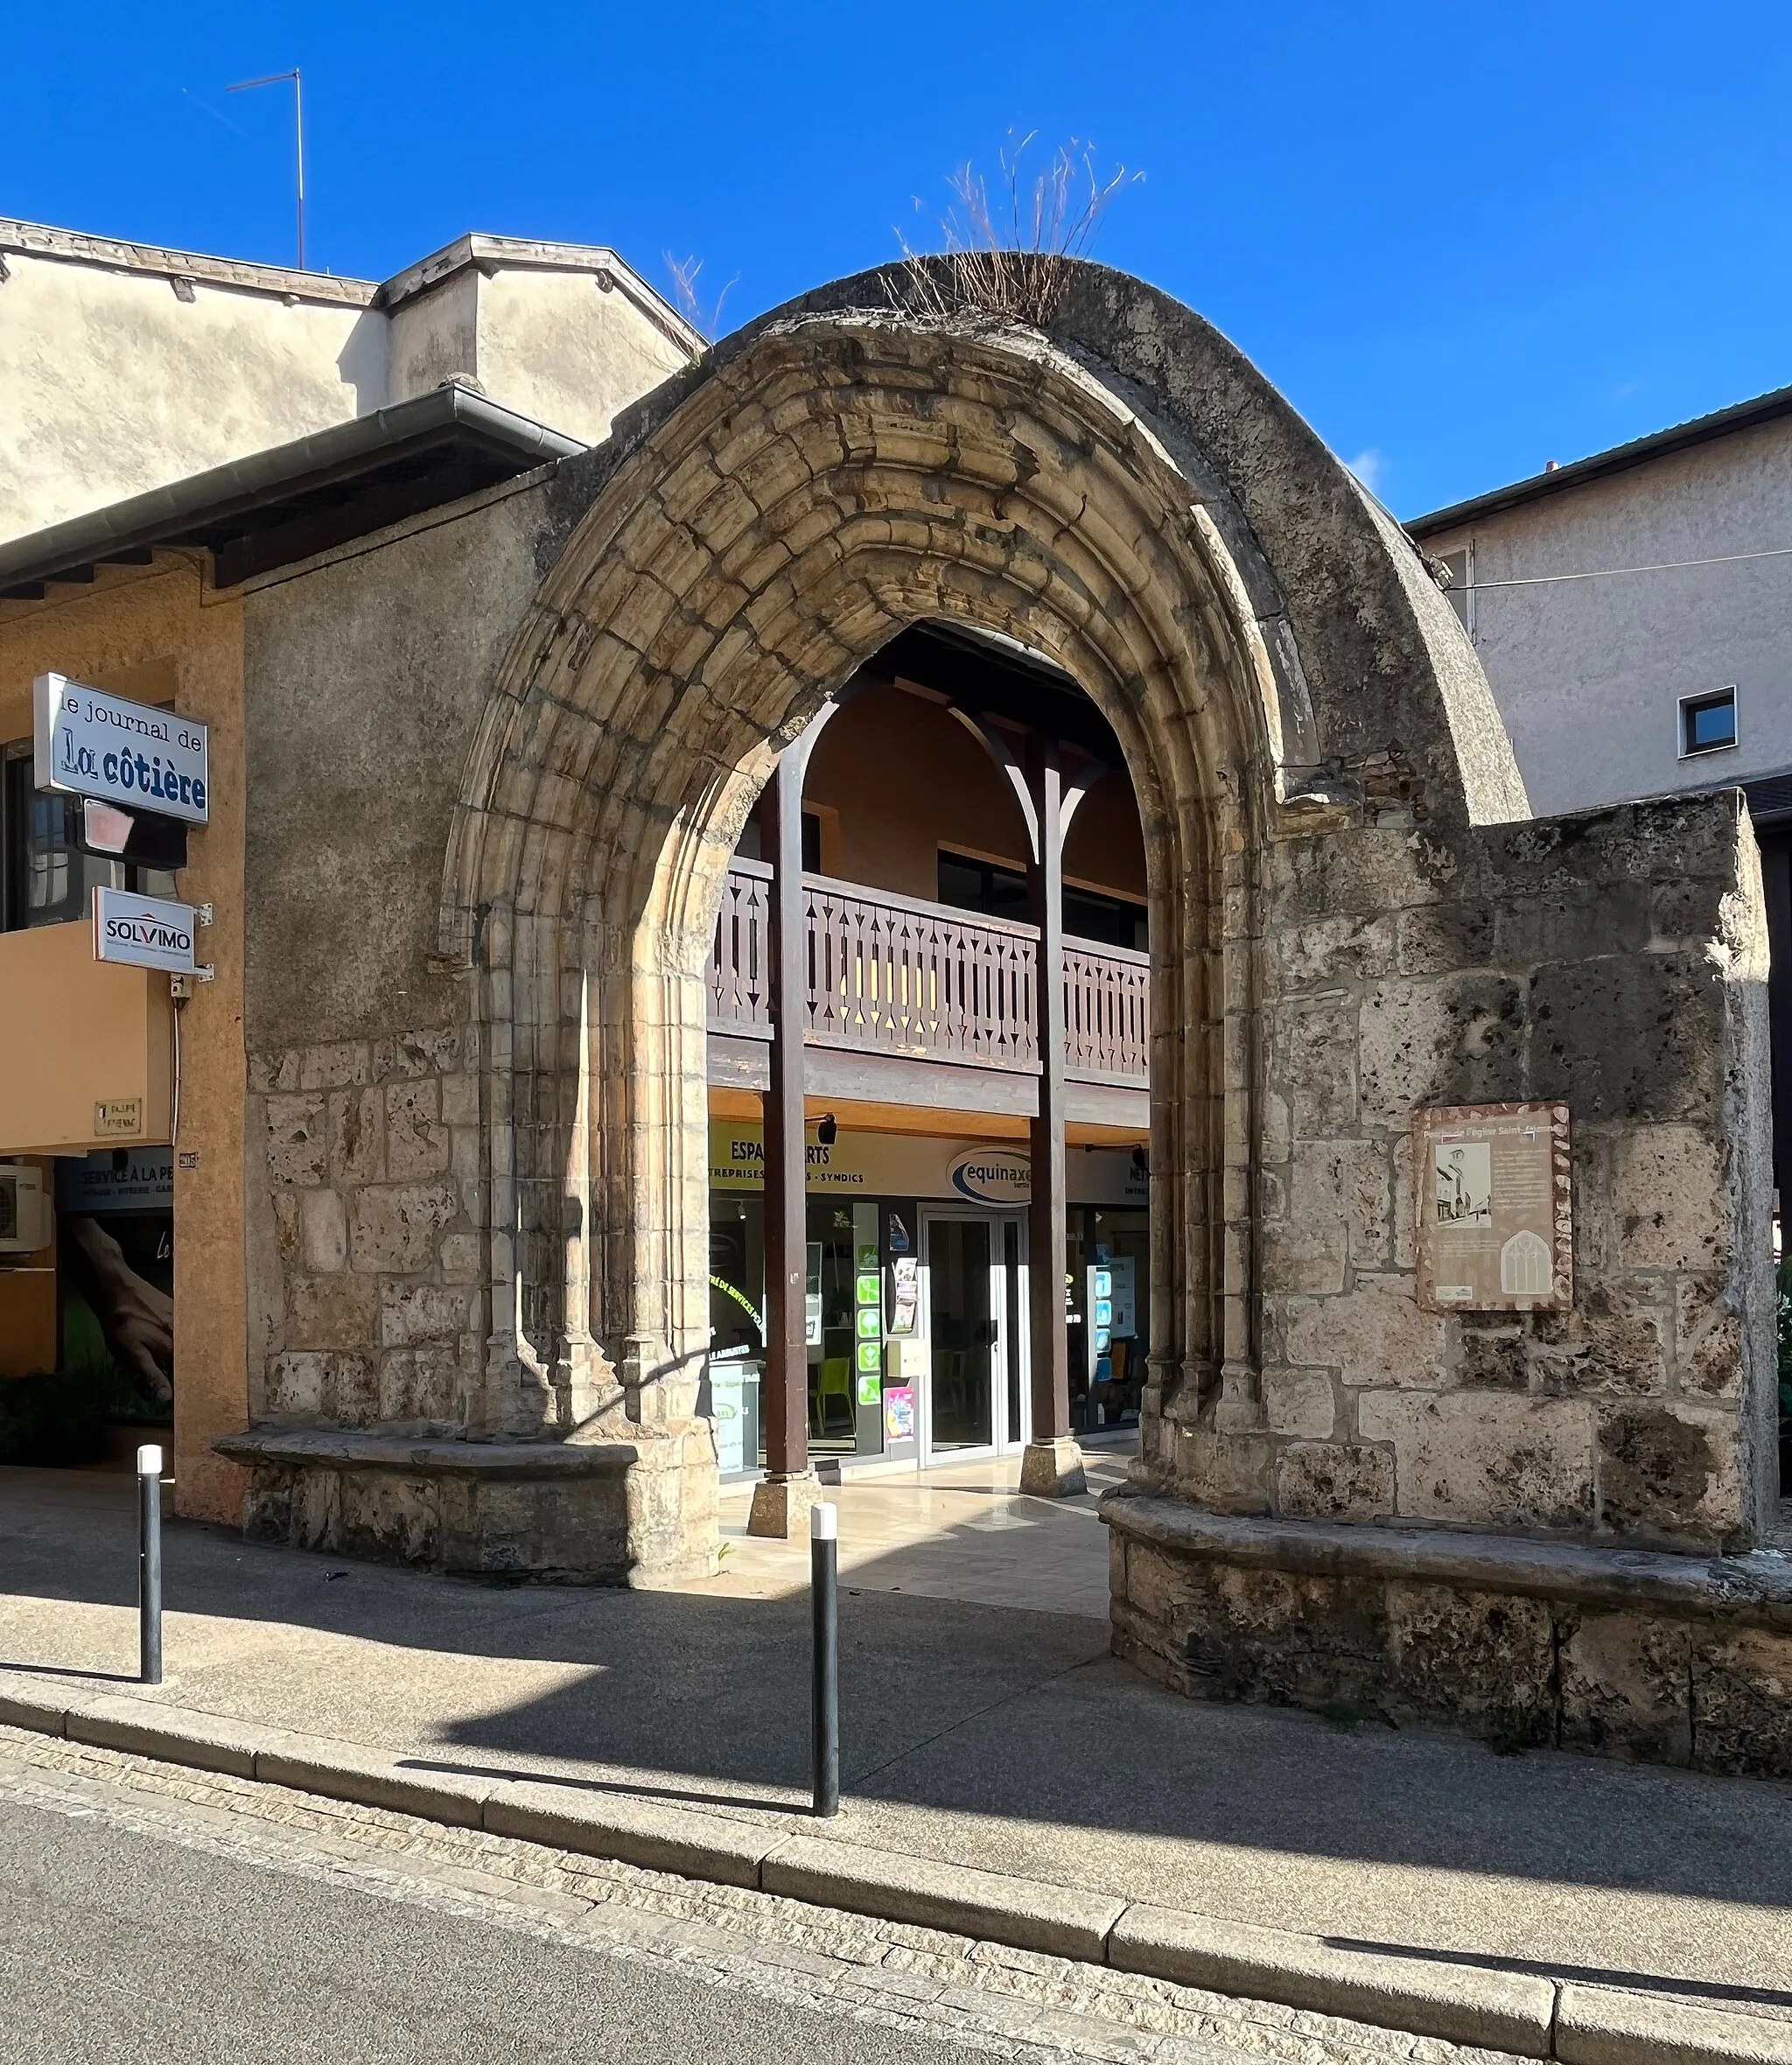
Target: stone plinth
640	1513
1622	1653
1051	1469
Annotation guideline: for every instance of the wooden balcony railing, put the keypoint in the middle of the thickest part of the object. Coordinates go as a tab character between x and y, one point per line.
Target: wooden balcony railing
892	975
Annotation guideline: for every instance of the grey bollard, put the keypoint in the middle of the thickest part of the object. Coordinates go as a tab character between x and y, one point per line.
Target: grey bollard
824	1585
149	1564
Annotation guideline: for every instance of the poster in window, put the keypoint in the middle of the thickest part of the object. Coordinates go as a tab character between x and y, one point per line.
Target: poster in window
1493	1184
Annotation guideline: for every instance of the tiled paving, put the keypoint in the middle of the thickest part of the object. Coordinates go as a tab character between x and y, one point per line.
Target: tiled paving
959	1531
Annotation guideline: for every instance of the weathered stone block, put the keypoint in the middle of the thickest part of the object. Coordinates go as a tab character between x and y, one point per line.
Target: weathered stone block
1629	1036
332	1067
1668	1472
1298	1401
1373	1334
323	1229
1477	1659
1228	1472
357	1140
417	1140
1303	1258
1625	1683
1325	950
1335	1480
295	1382
1742	1700
1492	1357
297	1151
1318	1074
1438	939
417	1053
411	1312
334	1312
393	1226
1455	1039
1485	1458
1668	1199
1611	1341
1708	1337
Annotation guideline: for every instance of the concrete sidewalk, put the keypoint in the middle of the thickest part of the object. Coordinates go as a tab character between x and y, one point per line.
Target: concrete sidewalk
977	1734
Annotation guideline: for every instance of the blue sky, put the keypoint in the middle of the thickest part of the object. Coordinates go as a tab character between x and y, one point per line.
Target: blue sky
1462	241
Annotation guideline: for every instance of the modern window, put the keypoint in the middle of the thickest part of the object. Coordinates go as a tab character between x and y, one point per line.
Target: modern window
967	884
1707	723
47	875
1461	593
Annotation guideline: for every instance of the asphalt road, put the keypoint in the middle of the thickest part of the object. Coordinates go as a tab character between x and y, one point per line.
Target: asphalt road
114	1946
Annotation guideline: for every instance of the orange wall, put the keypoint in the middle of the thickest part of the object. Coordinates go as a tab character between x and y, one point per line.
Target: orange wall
78	1032
157	635
895	777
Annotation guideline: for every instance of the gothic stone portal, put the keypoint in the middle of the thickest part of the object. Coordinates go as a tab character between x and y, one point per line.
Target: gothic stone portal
1352	918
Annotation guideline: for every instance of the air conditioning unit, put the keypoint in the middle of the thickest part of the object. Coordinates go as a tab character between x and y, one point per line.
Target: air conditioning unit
25	1211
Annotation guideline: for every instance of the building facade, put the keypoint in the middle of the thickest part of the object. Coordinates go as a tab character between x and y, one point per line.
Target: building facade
940	733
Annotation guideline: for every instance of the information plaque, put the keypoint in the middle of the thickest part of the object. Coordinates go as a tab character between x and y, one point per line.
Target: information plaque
1493	1186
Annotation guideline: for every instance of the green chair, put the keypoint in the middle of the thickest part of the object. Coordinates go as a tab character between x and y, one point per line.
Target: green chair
837	1382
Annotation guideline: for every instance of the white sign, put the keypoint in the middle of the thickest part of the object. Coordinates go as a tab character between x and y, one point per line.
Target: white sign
89	744
143	931
920	1165
991	1175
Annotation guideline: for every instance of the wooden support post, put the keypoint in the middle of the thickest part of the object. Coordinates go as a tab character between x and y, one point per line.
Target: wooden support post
1052	1465
781	1500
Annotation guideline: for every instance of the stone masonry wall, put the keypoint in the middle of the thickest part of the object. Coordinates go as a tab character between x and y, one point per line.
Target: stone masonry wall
368	1298
1613	960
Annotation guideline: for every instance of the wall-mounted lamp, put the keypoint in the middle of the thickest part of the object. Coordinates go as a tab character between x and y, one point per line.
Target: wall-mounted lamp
827	1128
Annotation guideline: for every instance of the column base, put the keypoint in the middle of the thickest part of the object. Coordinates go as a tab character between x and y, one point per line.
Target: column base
780	1505
1051	1469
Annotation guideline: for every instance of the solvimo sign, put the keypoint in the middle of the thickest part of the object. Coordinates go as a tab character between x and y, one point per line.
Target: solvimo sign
143	931
89	744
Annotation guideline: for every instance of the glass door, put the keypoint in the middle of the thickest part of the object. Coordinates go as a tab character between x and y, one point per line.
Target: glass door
975	1308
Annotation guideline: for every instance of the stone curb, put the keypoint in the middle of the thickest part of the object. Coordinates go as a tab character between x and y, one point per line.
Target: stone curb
1531	2016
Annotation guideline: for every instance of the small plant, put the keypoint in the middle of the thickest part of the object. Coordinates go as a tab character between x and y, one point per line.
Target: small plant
1001	257
1341	1714
706	321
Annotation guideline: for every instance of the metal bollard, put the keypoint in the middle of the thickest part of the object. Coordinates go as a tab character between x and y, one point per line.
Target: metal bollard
824	1589
149	1564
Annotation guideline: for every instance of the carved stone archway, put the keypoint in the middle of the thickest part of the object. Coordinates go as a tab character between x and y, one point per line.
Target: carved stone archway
839	474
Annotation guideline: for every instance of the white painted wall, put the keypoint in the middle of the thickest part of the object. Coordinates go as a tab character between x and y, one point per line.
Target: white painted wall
1588	673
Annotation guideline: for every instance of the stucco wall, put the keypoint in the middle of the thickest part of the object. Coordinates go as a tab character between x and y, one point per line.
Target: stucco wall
100	370
365	676
100	358
1588	673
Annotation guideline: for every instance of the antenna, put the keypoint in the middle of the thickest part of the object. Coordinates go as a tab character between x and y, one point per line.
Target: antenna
280	78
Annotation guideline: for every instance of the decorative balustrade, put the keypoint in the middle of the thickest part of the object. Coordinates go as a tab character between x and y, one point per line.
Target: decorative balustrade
892	975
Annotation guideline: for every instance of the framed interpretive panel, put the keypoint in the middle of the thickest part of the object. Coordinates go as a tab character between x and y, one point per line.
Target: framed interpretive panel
1495	1194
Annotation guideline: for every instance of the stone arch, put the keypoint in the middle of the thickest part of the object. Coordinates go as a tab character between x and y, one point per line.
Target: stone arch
835	472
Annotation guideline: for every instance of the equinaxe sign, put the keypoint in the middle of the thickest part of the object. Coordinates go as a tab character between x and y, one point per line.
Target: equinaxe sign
143	931
87	743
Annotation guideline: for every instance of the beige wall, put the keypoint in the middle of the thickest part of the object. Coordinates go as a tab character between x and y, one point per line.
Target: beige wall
154	635
100	370
101	359
895	777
